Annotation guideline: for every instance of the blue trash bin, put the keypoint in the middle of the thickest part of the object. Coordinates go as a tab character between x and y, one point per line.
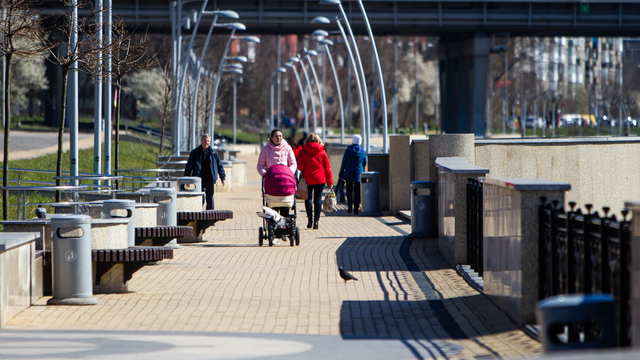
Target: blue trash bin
581	321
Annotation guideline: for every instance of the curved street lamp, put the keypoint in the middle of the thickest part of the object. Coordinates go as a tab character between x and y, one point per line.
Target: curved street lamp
327	43
298	59
211	126
235	69
224	13
302	96
363	101
308	54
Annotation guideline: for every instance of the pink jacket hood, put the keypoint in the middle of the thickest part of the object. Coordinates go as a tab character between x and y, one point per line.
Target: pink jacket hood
271	154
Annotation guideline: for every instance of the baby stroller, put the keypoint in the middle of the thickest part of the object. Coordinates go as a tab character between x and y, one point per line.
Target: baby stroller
279	206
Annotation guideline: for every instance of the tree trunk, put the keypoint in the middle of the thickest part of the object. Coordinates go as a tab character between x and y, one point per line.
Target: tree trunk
7	127
117	126
63	117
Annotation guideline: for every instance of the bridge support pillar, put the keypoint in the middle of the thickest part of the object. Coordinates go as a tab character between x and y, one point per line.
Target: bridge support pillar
463	83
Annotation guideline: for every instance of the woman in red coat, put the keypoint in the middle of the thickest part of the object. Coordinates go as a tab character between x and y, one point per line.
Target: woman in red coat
313	162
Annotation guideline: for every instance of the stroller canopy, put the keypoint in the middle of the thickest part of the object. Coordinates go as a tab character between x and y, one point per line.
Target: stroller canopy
279	181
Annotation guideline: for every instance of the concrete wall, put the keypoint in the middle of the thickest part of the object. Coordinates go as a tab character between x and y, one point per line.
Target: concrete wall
400	171
601	171
17	257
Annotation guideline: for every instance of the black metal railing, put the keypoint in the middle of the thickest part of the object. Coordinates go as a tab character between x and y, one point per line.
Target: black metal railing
474	225
583	253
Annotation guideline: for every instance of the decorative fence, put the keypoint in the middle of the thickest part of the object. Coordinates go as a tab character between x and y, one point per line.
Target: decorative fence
474	225
585	253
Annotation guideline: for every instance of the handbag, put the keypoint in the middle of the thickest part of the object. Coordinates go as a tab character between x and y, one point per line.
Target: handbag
340	196
329	203
302	191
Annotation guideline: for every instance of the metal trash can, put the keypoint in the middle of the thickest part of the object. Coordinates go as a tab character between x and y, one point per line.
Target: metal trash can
127	210
582	321
190	184
71	260
166	198
424	219
370	191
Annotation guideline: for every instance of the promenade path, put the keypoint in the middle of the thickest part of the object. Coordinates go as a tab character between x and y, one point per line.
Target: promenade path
228	298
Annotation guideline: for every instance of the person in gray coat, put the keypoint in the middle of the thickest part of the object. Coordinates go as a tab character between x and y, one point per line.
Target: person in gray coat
353	163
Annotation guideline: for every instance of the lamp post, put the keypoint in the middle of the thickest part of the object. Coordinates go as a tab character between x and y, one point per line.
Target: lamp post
273	81
310	53
225	13
327	43
365	93
235	70
302	96
216	85
298	59
363	101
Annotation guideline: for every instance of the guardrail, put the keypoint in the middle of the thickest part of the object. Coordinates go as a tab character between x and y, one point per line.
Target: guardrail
585	253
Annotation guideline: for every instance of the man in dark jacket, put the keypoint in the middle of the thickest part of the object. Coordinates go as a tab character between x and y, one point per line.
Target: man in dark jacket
205	163
353	163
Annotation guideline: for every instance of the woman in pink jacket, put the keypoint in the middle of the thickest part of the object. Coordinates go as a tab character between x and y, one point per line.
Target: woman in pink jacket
276	152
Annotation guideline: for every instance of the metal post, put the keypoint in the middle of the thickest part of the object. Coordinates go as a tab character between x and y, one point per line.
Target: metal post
361	90
175	134
365	93
212	119
310	89
320	96
97	106
197	89
335	78
72	95
235	106
394	117
279	83
185	66
271	103
416	123
303	98
349	85
108	100
383	96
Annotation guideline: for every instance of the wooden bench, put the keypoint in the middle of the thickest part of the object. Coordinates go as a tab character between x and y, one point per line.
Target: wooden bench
161	235
200	221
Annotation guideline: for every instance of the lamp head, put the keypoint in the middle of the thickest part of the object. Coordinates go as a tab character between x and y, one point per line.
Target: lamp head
235	26
294	59
289	65
320	20
282	69
311	52
250	38
330	2
227	14
233	71
320	32
234	66
240	58
326	42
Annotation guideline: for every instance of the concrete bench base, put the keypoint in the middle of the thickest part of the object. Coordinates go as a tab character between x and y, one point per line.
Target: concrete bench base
112	269
200	221
161	235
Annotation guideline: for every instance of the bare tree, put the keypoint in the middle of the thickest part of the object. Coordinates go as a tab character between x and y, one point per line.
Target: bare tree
21	32
129	55
67	55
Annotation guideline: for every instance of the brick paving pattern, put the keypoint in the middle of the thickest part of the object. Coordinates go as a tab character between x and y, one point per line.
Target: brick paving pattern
230	284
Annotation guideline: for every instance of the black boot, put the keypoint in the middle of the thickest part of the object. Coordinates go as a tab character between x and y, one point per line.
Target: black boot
315	225
349	209
310	223
356	211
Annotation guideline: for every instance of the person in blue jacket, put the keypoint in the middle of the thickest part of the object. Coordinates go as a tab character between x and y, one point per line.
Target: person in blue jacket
205	163
353	163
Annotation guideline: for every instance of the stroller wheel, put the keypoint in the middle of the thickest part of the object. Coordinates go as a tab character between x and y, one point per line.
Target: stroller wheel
271	240
260	236
297	237
292	240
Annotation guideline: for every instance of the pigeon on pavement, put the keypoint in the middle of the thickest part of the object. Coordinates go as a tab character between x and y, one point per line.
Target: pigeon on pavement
346	276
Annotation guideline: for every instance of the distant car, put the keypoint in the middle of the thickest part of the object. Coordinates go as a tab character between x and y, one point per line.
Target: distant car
571	120
534	122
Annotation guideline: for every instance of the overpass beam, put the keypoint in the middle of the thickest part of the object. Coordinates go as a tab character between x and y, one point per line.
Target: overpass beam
463	82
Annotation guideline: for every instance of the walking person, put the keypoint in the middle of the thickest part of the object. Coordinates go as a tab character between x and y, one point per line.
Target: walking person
205	163
353	163
276	152
313	162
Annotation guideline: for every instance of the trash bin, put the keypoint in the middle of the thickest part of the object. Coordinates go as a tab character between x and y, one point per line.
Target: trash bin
190	184
122	209
166	198
577	322
423	209
370	190
71	260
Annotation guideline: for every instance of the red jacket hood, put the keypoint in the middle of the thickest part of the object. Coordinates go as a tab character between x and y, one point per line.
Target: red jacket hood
313	148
